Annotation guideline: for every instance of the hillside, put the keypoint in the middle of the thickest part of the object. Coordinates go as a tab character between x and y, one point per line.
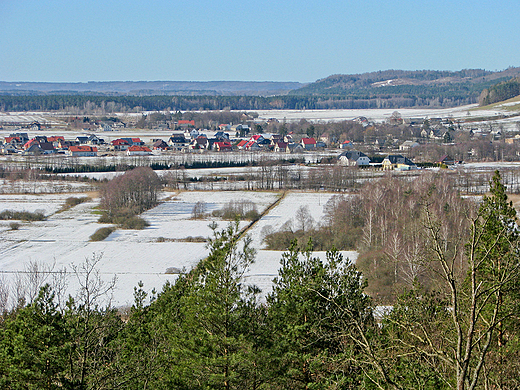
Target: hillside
500	92
400	88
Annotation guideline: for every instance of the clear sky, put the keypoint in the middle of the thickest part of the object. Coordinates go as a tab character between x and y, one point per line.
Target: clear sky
274	40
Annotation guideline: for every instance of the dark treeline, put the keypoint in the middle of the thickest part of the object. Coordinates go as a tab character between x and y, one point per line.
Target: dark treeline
317	328
500	92
402	96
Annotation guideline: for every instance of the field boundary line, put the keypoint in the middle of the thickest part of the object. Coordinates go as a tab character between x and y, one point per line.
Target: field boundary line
244	230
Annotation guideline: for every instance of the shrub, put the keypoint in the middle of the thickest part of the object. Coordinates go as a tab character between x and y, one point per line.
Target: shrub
22	215
102	233
133	222
14	225
74	201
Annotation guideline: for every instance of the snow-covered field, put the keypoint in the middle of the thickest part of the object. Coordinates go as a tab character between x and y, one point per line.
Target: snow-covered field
139	255
131	255
376	115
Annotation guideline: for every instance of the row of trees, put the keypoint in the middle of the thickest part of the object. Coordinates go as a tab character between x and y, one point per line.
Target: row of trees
315	329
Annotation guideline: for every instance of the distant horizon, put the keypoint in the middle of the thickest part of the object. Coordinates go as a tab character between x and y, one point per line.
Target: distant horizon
249	81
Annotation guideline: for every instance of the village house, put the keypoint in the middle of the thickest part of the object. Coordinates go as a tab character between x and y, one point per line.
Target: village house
82	151
119	144
138	150
281	147
95	140
241	144
8	149
346	144
178	142
33	149
160	145
222	146
224	127
55	140
308	143
397	162
62	144
240	130
16	142
354	158
446	160
199	143
185	123
81	140
295	148
133	141
407	145
221	136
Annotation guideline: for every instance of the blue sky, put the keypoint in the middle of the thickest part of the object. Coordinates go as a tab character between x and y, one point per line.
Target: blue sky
284	40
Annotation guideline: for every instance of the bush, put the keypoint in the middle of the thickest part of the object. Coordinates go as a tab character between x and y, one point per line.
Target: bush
22	215
74	201
133	222
14	225
102	233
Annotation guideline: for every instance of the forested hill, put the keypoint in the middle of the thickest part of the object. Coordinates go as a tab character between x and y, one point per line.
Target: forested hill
400	88
500	92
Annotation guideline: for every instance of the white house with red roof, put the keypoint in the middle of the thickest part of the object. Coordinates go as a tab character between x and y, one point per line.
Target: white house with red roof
137	150
119	144
82	151
242	144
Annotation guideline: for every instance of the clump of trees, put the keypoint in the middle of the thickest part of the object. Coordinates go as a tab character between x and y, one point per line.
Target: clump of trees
128	195
238	210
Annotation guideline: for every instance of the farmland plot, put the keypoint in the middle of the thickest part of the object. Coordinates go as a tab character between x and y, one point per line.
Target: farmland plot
131	255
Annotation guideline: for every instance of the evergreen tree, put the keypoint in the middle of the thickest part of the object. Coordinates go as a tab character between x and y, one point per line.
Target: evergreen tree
316	309
34	345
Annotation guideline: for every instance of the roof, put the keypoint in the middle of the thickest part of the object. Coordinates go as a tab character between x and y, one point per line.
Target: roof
398	159
136	148
55	138
119	141
83	148
308	141
242	143
353	155
223	145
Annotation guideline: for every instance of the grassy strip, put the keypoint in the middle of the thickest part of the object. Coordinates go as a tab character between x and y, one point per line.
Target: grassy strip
102	233
74	201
